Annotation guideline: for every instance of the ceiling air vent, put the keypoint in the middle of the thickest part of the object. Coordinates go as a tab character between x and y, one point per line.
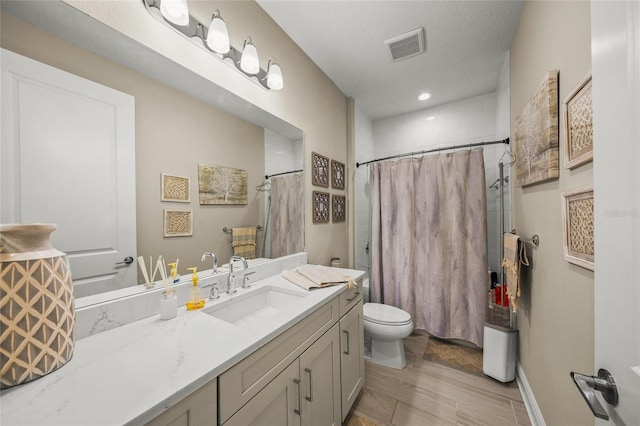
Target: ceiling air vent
407	45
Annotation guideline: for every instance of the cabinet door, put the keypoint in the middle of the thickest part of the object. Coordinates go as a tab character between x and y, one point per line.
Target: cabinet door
351	356
277	404
197	409
320	377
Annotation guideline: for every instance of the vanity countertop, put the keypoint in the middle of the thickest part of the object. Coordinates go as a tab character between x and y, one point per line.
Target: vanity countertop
131	374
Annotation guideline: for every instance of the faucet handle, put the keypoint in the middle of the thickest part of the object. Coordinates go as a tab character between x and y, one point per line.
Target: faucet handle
213	293
245	279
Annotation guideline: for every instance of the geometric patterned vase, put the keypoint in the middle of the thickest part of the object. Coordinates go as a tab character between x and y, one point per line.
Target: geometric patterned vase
37	313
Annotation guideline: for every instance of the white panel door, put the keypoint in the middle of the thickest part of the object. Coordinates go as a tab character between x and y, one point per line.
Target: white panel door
68	157
615	29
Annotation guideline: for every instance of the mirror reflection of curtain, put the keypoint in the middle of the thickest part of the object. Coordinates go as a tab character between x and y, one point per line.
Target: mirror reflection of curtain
429	226
286	218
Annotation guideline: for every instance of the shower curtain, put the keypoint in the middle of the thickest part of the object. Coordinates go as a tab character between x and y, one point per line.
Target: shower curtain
429	225
286	218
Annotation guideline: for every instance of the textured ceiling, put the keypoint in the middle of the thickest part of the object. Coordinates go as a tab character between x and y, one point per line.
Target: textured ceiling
466	41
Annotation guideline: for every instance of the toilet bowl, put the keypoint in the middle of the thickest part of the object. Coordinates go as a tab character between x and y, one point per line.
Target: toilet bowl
386	326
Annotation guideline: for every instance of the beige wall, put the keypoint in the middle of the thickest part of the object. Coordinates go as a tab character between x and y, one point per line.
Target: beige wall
309	101
174	133
556	317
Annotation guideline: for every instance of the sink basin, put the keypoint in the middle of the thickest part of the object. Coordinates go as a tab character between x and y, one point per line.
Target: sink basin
251	309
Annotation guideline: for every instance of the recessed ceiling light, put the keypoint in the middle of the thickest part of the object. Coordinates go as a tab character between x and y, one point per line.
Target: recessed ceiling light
431	117
424	96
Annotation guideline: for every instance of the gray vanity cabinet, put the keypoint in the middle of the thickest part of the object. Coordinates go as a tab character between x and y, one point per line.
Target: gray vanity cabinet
276	404
320	381
197	409
306	393
351	356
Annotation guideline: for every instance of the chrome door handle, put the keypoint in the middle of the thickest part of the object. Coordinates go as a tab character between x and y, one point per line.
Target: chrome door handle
603	383
297	410
127	261
346	352
310	397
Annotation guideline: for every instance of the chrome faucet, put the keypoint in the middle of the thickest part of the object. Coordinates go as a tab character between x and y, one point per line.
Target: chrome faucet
231	287
213	257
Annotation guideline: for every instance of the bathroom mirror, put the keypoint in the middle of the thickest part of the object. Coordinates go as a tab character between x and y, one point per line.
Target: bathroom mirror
197	100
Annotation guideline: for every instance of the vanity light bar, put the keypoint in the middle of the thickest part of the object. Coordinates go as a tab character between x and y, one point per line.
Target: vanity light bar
196	32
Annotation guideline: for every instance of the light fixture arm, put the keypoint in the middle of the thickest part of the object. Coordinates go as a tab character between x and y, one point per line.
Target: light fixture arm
197	32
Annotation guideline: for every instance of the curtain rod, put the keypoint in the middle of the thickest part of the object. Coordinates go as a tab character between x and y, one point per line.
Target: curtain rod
445	148
283	173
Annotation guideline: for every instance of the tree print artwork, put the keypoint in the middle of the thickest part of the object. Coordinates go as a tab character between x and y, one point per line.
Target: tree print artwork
222	185
536	135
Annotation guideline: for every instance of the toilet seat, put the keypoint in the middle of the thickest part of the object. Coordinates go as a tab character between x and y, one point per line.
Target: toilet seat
378	313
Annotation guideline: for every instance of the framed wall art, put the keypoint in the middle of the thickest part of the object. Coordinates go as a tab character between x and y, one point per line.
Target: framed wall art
175	188
178	223
320	207
320	170
536	135
338	208
221	185
337	174
577	219
578	124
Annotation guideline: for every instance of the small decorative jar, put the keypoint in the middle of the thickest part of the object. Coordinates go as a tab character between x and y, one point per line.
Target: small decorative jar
336	262
37	313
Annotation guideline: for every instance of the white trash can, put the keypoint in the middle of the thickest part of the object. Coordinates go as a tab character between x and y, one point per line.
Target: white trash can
499	352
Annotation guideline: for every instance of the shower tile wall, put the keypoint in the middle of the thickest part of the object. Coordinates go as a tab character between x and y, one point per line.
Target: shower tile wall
281	154
457	123
364	152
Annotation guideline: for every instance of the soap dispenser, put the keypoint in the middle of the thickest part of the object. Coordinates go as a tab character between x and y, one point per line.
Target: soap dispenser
175	277
196	303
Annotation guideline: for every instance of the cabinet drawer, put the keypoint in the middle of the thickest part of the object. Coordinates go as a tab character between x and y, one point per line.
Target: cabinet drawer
245	379
350	298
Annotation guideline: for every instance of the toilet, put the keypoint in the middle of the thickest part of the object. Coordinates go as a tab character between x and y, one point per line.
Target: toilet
386	326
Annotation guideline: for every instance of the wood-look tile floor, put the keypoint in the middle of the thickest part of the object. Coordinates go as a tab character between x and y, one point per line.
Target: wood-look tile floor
426	393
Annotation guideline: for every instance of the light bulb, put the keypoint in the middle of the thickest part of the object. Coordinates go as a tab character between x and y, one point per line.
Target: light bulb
218	36
176	11
274	76
249	62
424	96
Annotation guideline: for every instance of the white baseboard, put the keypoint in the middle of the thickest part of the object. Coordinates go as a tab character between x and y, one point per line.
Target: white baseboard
535	415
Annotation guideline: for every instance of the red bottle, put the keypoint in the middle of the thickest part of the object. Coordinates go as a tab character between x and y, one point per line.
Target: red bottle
498	295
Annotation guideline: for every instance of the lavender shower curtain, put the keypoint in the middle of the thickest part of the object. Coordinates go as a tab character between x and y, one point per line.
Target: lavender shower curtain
429	219
286	219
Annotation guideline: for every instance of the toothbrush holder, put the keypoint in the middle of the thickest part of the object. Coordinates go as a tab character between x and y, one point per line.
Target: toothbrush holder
168	307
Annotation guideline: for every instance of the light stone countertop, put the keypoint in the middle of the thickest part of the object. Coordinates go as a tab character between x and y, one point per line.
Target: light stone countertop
131	374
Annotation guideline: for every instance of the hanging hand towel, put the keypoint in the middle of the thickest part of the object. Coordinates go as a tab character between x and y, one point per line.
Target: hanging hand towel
243	241
514	255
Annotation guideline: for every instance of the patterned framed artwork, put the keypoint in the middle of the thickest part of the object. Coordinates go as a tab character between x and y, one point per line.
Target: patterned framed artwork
577	218
578	124
320	170
337	174
221	185
338	208
320	207
175	188
536	135
178	223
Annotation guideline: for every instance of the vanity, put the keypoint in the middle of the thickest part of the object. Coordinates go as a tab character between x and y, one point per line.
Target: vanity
293	357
